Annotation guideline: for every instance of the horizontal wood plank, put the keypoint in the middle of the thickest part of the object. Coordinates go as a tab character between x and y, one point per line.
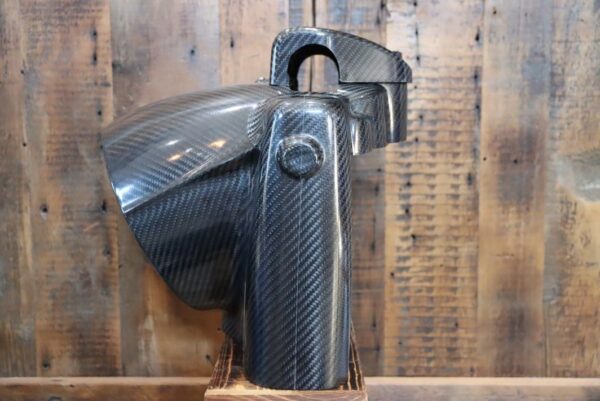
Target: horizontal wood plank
379	389
481	389
103	388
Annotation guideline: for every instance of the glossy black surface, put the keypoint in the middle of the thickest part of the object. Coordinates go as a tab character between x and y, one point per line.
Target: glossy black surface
240	198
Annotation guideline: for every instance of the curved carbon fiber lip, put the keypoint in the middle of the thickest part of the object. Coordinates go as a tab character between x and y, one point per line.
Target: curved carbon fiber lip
240	198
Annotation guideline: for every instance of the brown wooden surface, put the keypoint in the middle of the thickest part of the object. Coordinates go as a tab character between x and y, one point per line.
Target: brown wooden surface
103	389
482	389
476	243
379	389
512	171
63	284
74	241
431	193
228	382
17	325
572	204
161	49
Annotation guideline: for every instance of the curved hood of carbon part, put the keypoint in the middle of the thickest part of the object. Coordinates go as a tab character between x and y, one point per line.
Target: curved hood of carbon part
164	144
181	169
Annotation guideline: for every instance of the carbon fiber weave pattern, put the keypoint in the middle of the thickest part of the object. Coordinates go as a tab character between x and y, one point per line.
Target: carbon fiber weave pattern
397	99
240	198
158	147
358	60
183	190
297	314
370	128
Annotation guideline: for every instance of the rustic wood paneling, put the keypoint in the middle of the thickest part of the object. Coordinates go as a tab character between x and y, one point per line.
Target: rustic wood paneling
17	289
247	31
482	389
572	254
476	242
103	389
514	123
66	274
162	49
431	193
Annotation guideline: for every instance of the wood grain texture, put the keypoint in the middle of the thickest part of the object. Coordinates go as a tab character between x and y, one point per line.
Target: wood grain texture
379	388
67	98
228	382
364	18
103	389
572	205
482	389
476	242
431	193
161	49
17	289
247	32
514	126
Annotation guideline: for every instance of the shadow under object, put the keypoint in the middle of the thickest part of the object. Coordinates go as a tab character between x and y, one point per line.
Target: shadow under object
240	198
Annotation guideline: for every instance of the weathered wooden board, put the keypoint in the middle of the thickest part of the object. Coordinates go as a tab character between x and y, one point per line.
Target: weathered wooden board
161	49
431	193
66	274
482	389
379	389
572	204
103	389
74	241
514	123
17	289
247	32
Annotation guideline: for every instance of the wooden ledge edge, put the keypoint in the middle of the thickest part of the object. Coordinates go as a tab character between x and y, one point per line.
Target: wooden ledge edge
370	381
483	381
378	388
106	381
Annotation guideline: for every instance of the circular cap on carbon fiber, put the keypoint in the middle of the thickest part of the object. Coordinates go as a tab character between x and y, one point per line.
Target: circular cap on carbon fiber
300	156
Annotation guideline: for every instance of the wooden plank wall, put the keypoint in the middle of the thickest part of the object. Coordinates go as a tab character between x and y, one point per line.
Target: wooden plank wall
432	194
477	241
161	49
59	285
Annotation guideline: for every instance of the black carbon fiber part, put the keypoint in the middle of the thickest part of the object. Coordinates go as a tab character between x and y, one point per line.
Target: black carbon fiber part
358	60
297	308
240	198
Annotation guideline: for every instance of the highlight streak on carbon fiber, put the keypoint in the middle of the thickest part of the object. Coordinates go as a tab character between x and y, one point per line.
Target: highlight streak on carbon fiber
159	146
240	198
